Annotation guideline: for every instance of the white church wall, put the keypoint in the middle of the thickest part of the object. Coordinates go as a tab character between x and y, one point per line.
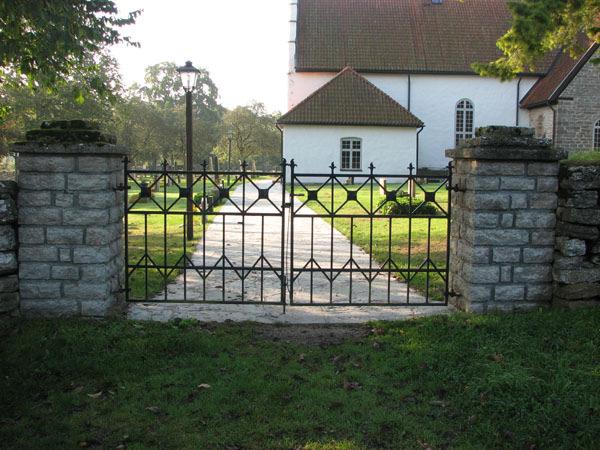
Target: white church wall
313	147
302	84
433	100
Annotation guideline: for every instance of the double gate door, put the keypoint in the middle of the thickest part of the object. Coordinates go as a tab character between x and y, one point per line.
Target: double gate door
286	237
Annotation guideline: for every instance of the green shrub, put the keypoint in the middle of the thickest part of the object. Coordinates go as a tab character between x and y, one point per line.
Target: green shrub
403	206
213	193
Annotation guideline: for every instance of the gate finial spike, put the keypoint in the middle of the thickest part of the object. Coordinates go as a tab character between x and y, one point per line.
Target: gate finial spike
332	166
204	164
371	166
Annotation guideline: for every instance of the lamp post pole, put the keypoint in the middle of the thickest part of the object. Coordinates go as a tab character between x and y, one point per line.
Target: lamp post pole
189	153
189	75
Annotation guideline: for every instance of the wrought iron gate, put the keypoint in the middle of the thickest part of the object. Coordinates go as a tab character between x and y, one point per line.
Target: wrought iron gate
203	270
346	239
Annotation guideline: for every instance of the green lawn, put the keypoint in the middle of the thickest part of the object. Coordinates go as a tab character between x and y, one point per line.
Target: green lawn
585	156
528	380
149	230
380	248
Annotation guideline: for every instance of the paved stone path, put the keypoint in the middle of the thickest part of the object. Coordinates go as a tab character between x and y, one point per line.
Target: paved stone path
260	234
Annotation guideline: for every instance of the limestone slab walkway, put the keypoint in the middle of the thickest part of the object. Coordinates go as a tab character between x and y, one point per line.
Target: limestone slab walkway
256	241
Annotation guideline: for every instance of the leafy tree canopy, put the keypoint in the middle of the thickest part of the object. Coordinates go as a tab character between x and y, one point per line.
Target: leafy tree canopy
44	42
254	137
539	27
28	108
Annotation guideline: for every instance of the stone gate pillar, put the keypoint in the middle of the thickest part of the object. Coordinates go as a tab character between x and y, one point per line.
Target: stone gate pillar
70	211
503	220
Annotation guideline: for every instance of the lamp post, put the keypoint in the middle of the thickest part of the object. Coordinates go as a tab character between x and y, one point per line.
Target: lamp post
229	138
189	75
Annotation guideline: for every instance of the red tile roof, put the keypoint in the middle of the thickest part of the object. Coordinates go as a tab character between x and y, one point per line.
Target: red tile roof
399	35
349	99
561	73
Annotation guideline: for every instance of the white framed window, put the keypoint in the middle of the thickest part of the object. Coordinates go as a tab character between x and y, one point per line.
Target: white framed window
596	144
351	154
464	120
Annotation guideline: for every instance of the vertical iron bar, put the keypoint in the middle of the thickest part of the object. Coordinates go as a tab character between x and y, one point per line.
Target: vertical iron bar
262	257
223	257
410	214
351	258
448	230
428	259
204	225
185	243
312	256
389	277
371	168
331	215
126	223
283	273
291	271
165	230
244	179
146	254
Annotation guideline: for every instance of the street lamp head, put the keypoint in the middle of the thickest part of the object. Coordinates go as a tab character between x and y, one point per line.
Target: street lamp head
189	75
229	134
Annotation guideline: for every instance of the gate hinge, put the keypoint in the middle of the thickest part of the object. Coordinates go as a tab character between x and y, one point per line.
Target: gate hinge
455	188
121	187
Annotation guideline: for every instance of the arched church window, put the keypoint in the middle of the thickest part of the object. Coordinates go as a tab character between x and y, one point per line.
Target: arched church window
464	120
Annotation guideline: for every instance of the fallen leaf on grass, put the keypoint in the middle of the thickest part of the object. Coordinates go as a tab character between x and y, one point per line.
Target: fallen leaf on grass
497	357
437	403
352	385
302	357
153	409
378	331
424	445
96	395
204	386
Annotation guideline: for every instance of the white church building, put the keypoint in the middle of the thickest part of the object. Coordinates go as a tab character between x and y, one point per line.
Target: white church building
391	82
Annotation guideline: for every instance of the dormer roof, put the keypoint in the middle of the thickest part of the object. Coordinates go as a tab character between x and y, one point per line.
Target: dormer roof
350	99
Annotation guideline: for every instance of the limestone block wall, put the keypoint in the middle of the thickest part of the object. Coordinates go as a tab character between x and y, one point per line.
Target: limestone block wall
70	211
577	259
578	109
9	283
503	220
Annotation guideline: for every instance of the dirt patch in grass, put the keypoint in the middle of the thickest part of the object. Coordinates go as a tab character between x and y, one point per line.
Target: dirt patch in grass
322	335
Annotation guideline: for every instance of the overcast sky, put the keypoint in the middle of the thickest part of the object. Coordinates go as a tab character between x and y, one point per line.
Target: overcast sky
242	43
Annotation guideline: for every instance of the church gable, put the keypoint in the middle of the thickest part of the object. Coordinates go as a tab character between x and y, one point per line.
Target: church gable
350	99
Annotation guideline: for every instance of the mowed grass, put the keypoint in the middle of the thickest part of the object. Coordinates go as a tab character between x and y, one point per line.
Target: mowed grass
162	235
584	156
528	380
427	237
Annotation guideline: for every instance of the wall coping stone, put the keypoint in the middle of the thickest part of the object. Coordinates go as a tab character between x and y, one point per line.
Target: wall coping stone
499	143
95	148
